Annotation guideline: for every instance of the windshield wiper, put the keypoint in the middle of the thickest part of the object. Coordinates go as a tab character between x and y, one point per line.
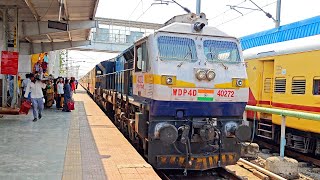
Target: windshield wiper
185	57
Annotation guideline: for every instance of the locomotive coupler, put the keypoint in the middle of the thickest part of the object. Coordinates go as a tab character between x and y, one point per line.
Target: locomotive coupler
185	140
185	133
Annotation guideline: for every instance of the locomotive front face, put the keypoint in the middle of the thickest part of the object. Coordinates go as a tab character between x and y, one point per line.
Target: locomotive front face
197	87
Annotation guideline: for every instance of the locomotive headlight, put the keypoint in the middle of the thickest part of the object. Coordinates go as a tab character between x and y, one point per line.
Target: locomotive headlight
201	74
169	80
239	82
211	75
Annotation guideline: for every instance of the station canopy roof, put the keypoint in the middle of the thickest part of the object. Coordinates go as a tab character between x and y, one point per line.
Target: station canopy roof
296	30
34	34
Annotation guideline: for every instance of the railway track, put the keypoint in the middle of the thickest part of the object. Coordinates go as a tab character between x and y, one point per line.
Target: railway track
220	173
289	153
243	170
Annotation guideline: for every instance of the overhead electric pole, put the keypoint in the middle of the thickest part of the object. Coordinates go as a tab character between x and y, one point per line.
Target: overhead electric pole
278	13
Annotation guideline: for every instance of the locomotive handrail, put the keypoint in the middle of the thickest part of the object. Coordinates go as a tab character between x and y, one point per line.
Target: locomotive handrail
284	113
115	72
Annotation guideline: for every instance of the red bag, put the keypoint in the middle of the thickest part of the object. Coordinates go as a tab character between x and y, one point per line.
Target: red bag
71	105
25	107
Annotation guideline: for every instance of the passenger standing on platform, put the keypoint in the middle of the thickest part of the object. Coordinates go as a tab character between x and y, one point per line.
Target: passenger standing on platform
73	87
60	93
76	84
35	87
25	83
67	96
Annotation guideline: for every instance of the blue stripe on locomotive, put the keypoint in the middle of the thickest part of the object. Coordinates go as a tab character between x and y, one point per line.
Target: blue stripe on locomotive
109	66
197	109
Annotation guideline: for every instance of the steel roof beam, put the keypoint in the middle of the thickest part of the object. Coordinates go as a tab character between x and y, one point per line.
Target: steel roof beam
49	38
32	9
126	23
28	48
66	12
65	8
95	9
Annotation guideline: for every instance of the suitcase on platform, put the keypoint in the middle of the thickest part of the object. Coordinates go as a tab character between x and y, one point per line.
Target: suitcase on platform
71	105
25	107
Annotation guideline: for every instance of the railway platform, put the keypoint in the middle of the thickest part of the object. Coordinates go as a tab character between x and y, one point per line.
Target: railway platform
83	144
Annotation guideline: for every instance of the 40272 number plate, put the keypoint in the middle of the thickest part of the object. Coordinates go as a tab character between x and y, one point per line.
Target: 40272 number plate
225	93
203	95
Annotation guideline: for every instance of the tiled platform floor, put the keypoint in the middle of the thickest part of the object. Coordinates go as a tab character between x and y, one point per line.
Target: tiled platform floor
83	144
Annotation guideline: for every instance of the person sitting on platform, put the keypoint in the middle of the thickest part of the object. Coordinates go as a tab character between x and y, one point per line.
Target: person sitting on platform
35	87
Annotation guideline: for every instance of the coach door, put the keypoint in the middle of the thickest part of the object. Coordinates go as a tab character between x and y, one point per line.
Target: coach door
267	83
265	128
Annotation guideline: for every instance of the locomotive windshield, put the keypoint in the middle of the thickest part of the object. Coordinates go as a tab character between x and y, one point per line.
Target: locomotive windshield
177	48
221	51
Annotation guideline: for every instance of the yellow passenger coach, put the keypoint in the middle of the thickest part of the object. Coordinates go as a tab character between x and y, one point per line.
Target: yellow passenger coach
286	75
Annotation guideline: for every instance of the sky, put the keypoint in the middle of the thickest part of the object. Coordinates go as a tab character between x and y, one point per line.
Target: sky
217	12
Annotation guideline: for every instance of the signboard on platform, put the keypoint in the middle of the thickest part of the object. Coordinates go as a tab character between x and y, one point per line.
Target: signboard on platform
9	62
58	25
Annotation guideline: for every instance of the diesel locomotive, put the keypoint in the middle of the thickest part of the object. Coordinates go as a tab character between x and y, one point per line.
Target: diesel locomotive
179	94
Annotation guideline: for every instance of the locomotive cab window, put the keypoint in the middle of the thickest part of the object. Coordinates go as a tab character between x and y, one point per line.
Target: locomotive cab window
141	58
177	49
316	86
217	51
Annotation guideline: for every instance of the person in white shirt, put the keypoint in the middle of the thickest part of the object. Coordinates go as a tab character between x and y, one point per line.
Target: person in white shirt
25	83
35	87
60	93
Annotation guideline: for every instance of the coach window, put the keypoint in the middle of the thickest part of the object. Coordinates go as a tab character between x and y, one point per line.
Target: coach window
141	58
280	85
316	86
298	85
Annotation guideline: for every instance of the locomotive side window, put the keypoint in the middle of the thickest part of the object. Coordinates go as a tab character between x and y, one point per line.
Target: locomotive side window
142	58
221	51
280	85
316	86
177	49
